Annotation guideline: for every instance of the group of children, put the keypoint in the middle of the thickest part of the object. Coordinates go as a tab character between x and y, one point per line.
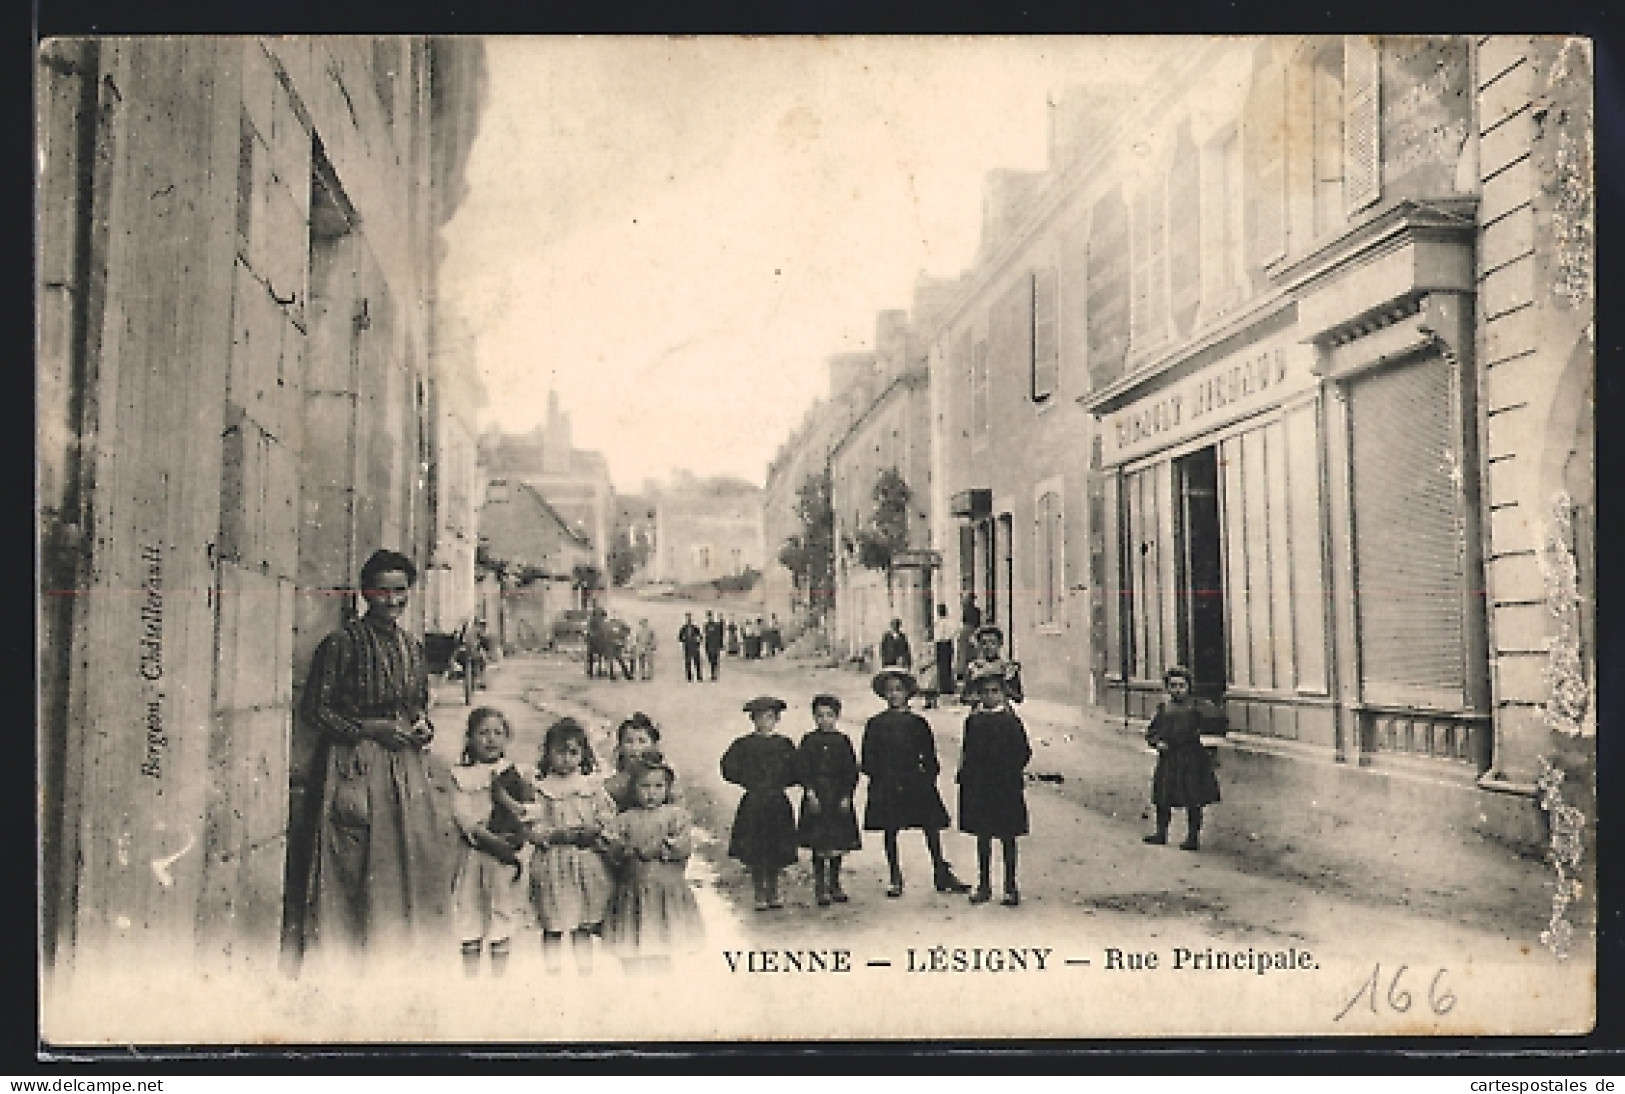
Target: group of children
582	856
606	857
898	755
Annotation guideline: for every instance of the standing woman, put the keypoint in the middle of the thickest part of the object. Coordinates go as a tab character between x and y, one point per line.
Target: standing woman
899	755
386	838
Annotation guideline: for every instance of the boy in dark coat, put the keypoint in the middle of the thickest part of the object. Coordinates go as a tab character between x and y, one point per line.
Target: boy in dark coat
1184	776
992	795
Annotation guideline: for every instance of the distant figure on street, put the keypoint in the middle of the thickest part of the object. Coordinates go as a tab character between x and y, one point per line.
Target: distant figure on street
944	653
644	643
733	638
970	620
894	651
689	637
619	643
713	643
752	634
597	641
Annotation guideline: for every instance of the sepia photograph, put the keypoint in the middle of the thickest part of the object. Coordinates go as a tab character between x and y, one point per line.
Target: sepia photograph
653	540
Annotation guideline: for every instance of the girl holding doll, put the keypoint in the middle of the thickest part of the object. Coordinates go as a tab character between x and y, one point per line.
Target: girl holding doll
487	893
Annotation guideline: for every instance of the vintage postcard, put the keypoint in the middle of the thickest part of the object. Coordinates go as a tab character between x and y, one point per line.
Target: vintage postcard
640	540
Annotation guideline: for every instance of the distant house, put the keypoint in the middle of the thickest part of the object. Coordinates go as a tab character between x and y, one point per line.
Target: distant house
706	529
537	552
574	481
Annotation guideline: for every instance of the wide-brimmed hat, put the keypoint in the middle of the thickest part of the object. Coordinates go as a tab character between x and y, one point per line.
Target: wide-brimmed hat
893	673
765	702
989	672
989	628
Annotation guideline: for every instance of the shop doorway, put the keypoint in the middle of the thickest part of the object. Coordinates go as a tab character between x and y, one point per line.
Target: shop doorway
1201	571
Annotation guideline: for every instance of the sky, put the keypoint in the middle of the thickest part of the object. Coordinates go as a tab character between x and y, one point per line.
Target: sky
675	233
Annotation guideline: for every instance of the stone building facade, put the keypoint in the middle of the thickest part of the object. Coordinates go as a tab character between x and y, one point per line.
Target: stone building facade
1283	370
236	374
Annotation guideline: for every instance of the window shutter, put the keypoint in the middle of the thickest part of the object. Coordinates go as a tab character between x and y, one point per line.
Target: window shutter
1107	297
1046	361
1185	233
1264	170
1362	128
1408	529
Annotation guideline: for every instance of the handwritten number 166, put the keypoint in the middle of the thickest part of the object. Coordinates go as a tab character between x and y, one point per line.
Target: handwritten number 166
1440	999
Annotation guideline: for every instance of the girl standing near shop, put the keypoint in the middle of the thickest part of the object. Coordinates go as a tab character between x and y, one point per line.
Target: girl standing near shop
1184	775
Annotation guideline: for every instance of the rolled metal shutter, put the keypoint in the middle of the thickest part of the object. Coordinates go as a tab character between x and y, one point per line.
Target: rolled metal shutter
1409	550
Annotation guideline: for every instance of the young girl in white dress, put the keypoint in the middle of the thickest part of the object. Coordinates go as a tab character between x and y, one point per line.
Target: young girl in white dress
653	914
488	894
570	879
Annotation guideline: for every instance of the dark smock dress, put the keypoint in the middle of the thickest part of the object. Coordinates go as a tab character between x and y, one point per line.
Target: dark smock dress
387	841
764	828
900	758
992	766
1184	776
827	767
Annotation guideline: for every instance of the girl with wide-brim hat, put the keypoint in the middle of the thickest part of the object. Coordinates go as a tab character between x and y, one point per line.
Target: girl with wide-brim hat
899	755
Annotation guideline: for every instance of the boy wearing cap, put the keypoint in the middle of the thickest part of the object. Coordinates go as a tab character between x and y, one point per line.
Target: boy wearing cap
989	641
899	755
764	830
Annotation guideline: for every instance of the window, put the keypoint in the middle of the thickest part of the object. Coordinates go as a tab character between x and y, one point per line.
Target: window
979	392
1362	182
1150	266
1185	232
1050	572
1264	166
962	362
1046	360
1328	139
1107	305
1226	226
702	557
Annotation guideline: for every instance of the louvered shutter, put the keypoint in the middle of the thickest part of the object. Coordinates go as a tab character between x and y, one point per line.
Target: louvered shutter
1185	233
1264	169
1046	347
1409	551
1362	128
1107	307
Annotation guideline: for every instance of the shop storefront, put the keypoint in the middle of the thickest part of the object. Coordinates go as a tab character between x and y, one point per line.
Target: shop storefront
1292	507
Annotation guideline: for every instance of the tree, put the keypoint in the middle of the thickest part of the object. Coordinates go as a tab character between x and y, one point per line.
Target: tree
810	554
886	532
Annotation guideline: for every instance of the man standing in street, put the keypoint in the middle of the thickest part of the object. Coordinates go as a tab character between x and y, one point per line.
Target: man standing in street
713	643
689	638
894	649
